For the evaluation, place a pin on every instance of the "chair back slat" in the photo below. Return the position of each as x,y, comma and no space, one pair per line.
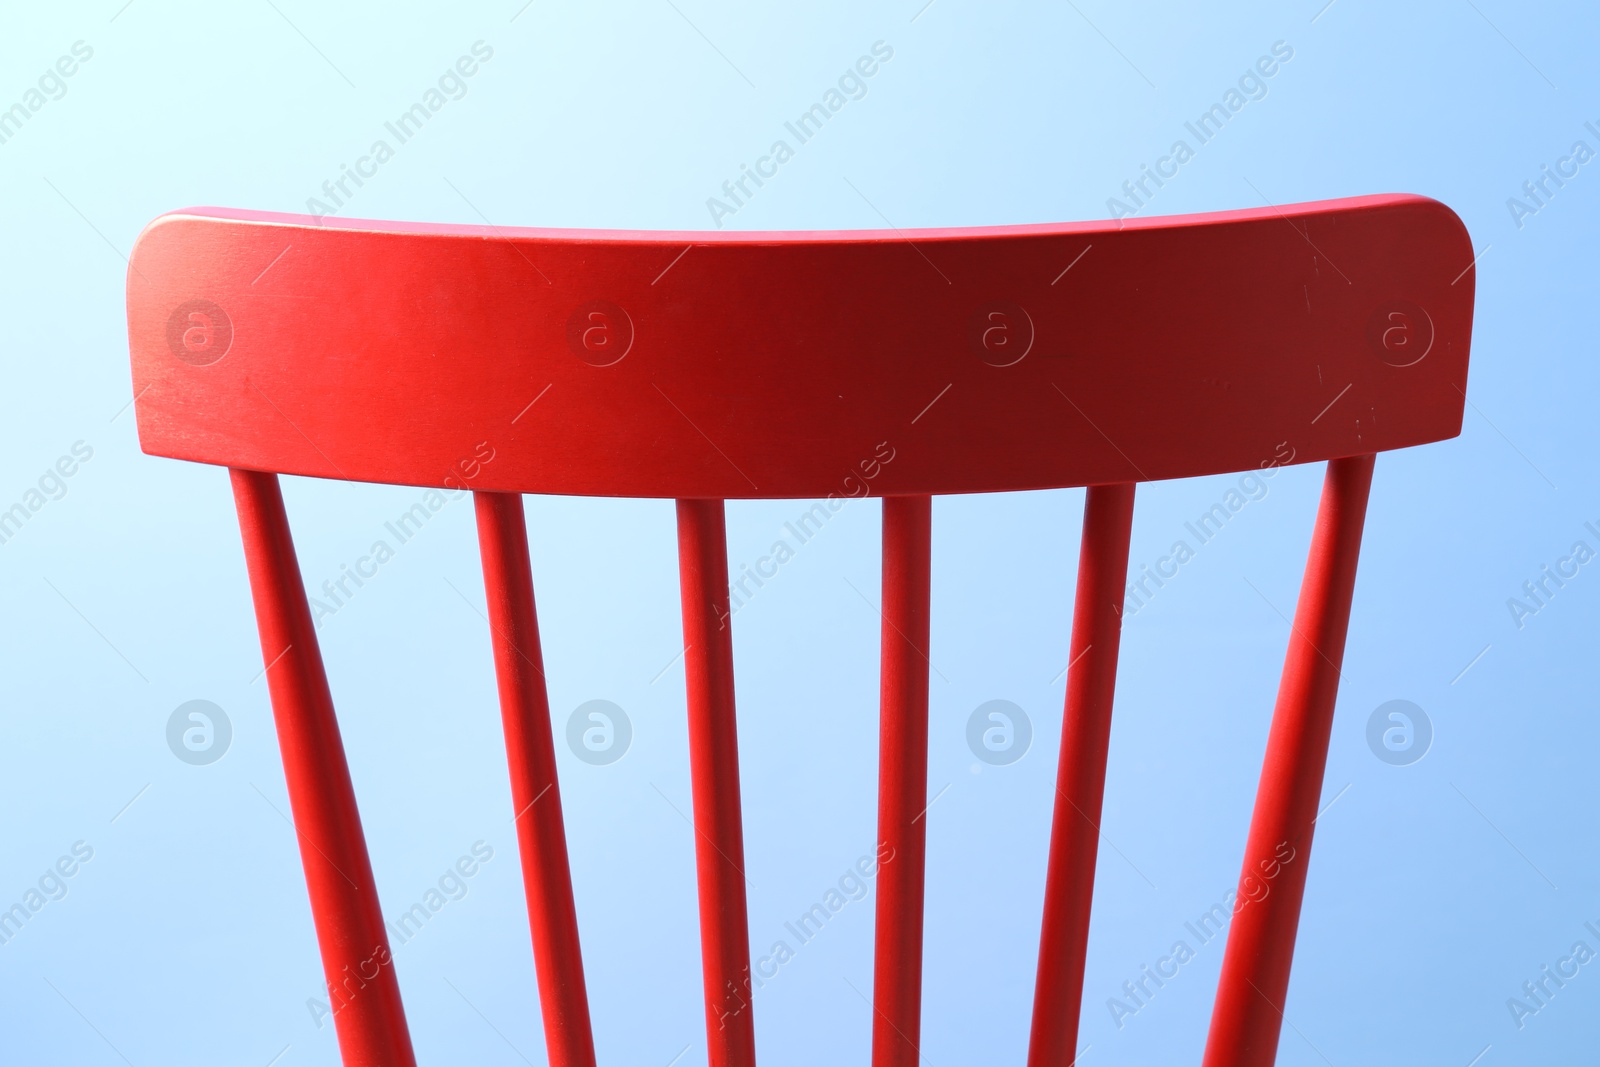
1081,775
714,778
902,781
363,991
1248,1014
535,792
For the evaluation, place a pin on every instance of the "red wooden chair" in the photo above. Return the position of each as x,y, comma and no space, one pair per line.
704,366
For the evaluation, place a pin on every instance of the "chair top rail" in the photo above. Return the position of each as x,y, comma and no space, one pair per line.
761,365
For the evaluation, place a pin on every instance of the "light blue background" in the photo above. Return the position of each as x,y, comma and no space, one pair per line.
1436,890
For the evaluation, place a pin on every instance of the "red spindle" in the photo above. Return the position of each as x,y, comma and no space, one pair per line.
535,794
714,767
364,993
902,781
1081,776
1248,1015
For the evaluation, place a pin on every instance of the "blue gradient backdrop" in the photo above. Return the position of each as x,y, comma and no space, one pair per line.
1437,889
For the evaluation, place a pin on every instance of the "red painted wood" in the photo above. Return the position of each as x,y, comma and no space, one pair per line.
714,769
535,793
902,781
363,990
770,364
704,366
1081,775
1248,1014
